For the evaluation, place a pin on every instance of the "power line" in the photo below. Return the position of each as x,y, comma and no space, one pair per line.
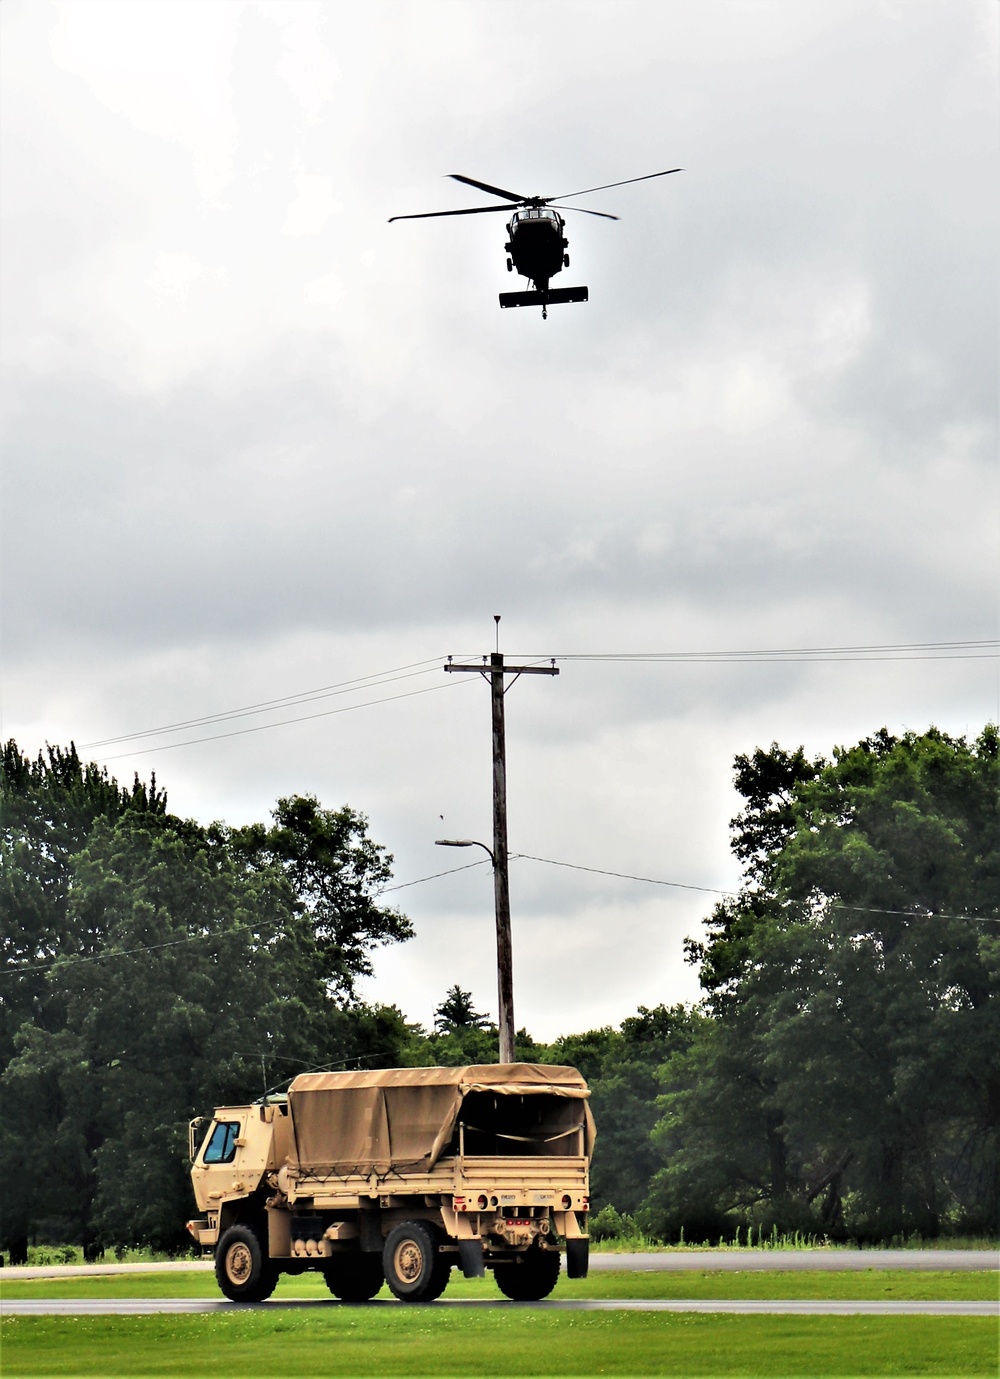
625,876
765,660
271,705
142,948
433,877
200,938
910,914
714,890
259,929
284,722
972,649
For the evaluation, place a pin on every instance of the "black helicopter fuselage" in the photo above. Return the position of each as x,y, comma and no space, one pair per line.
536,244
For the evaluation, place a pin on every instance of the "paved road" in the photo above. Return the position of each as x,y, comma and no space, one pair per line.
664,1261
774,1260
130,1307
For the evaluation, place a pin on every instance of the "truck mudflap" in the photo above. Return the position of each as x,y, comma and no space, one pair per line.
470,1256
577,1258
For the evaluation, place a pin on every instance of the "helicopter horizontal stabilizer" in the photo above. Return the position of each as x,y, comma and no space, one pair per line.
553,297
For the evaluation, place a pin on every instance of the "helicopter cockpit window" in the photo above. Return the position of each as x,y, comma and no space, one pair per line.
536,213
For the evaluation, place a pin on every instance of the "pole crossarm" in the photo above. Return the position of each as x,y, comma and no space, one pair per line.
508,670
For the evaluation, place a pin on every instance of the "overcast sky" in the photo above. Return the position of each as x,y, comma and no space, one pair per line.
259,442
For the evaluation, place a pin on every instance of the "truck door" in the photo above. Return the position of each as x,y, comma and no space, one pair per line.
215,1171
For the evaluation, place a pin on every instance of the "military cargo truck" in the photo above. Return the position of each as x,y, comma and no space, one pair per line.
396,1177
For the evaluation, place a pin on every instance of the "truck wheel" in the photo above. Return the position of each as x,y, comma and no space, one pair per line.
415,1270
355,1278
242,1268
532,1278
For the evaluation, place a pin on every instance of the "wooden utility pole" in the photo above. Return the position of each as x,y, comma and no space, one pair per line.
495,672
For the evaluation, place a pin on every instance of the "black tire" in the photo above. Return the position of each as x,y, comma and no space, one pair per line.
354,1278
532,1277
242,1268
415,1269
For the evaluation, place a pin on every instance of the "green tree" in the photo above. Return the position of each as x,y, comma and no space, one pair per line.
178,967
849,1078
48,807
457,1012
622,1067
335,872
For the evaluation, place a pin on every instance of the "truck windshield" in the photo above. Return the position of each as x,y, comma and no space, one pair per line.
221,1146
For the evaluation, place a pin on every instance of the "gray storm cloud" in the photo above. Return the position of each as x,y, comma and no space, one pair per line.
258,440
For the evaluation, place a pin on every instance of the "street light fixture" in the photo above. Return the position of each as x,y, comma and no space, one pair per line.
464,843
505,964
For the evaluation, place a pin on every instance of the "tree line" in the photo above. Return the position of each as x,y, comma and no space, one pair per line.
840,1076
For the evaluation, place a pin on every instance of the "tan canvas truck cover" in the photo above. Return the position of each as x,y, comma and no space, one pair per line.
363,1122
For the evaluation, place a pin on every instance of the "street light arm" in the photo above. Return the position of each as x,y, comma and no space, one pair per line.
465,843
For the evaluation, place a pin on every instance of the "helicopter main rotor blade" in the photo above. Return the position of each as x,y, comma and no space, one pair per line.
582,210
564,196
469,210
485,187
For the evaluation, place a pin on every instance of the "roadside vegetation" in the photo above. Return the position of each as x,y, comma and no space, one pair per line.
839,1082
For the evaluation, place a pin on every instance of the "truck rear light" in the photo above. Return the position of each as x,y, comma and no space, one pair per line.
459,1203
482,1201
192,1228
585,1203
567,1201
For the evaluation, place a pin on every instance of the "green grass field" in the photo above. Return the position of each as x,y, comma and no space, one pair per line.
442,1341
395,1340
870,1284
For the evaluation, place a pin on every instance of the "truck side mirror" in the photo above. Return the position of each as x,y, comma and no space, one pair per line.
193,1128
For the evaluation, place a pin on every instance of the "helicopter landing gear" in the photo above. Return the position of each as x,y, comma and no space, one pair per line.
549,297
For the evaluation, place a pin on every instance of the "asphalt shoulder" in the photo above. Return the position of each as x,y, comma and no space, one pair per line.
654,1261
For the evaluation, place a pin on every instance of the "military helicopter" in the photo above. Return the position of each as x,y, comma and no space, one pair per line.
536,245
